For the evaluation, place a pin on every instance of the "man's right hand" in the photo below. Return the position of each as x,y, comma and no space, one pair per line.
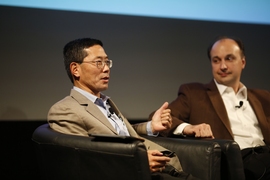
156,160
200,131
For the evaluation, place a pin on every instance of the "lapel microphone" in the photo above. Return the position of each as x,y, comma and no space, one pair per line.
111,110
240,104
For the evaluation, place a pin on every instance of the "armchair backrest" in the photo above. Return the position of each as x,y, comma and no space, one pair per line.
62,156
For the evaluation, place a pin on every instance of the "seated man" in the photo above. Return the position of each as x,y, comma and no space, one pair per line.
226,109
87,111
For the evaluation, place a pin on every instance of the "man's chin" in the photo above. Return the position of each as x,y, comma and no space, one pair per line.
222,81
104,88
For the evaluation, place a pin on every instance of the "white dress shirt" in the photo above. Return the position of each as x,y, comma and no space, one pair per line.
244,123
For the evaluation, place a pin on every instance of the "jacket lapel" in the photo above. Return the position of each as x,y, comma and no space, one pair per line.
92,109
258,110
218,105
131,130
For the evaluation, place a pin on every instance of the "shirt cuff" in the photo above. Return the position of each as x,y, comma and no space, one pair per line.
179,129
149,129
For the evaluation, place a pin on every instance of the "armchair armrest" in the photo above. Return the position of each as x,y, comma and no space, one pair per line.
231,160
200,158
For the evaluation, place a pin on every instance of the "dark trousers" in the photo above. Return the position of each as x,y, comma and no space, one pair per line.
170,173
165,176
256,163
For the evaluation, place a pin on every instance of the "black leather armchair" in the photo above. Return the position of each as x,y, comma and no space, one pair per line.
62,156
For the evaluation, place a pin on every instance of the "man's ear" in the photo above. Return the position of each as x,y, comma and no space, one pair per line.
75,69
244,62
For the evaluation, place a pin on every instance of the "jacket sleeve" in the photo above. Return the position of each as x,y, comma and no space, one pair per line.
140,128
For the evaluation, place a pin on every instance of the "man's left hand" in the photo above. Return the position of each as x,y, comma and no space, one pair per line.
162,119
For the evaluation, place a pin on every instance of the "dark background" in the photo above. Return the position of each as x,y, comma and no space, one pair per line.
152,57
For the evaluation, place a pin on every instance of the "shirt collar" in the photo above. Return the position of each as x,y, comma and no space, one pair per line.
90,96
241,92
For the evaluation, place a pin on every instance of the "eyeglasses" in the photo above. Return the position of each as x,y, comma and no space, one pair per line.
100,64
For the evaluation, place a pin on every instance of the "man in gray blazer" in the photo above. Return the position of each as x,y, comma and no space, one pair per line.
87,111
226,109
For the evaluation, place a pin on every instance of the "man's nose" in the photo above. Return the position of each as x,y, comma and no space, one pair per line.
223,65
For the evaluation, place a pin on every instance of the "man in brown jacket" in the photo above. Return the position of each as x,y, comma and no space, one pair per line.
226,109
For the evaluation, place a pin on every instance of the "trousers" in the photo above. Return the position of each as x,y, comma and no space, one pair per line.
256,163
170,173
